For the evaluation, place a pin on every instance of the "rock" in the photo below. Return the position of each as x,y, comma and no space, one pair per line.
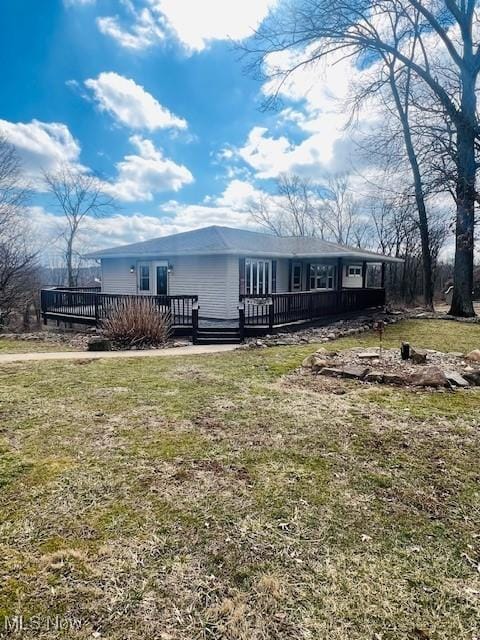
315,362
357,373
368,355
97,343
352,373
418,356
455,354
331,372
472,377
473,356
375,376
394,378
428,377
456,379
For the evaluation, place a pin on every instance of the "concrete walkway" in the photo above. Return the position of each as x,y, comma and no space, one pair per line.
191,350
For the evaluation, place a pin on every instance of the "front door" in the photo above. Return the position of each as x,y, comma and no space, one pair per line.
162,280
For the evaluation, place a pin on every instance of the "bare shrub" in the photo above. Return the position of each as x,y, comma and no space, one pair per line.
137,322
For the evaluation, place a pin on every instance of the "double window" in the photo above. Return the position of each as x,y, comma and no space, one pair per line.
354,271
322,276
144,277
258,277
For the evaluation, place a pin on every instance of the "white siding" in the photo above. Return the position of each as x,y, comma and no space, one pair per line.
116,276
213,278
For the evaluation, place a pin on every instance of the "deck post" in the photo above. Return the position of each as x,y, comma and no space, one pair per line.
271,315
339,284
382,279
364,275
241,321
195,308
96,308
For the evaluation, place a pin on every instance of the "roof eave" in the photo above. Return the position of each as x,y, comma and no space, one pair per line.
267,254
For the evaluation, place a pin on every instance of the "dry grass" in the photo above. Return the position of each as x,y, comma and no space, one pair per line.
219,498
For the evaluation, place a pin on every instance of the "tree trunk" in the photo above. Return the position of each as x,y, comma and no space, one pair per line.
69,260
462,304
428,286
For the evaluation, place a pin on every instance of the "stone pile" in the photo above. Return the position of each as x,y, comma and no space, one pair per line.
426,368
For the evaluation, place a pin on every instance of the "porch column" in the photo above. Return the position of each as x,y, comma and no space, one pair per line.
382,279
364,275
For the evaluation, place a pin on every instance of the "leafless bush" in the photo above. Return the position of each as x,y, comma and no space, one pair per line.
137,322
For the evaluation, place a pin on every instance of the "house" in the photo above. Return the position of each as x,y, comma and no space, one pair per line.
221,284
225,266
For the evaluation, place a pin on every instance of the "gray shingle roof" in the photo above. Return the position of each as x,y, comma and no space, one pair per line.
226,240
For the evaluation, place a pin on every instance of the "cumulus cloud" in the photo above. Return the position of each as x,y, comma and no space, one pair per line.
130,104
230,208
194,24
142,175
143,30
42,146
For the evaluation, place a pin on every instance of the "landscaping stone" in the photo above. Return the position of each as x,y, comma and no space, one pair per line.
418,356
428,377
368,355
456,379
332,372
352,373
315,362
473,356
472,377
375,376
394,378
357,373
97,343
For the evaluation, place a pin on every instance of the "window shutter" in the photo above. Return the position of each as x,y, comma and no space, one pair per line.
274,276
241,271
307,284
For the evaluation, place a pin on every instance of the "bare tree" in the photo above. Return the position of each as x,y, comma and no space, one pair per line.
17,257
366,29
79,196
338,211
290,212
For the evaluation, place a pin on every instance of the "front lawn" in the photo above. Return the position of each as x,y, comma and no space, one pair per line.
214,497
7,345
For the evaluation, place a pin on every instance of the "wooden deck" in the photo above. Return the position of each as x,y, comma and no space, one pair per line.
257,314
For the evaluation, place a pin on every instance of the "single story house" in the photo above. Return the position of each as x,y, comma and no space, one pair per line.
222,266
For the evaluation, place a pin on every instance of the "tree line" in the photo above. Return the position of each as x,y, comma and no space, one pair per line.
424,58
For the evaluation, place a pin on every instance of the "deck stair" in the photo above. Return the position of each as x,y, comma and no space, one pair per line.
218,335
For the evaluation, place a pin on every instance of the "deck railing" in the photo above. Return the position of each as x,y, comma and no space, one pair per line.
90,307
285,308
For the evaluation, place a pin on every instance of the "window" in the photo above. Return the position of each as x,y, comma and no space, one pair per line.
354,271
322,276
258,277
144,277
297,276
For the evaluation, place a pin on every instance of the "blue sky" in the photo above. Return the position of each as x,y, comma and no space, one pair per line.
151,95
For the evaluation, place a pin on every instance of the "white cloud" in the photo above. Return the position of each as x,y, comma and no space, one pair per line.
146,30
142,175
42,146
194,24
130,104
75,3
230,208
